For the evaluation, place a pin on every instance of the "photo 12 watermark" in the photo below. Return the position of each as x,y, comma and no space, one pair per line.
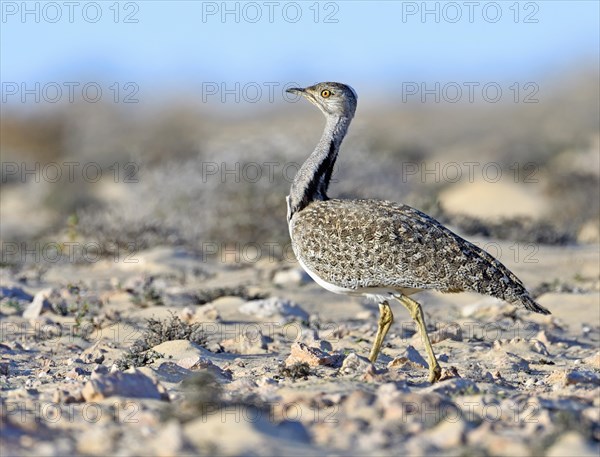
249,172
70,331
248,92
277,252
247,253
469,171
60,252
36,412
68,172
271,12
469,92
54,92
470,12
469,411
28,12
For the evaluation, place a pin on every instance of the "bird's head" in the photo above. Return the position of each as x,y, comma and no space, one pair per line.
333,99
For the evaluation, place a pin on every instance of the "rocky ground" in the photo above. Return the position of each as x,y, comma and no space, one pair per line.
165,353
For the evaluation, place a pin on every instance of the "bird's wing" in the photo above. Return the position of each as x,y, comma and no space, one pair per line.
371,243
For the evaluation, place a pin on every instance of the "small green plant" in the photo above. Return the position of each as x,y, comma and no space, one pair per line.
157,332
299,370
14,304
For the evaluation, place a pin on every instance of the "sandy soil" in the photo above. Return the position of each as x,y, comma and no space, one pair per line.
254,358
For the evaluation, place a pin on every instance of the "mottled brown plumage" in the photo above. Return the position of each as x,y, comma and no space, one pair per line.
381,249
360,244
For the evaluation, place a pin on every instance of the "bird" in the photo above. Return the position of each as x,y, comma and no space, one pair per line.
379,249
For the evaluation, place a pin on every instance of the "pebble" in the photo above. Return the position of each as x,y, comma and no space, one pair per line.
562,378
357,408
593,361
408,358
354,363
131,383
275,307
313,356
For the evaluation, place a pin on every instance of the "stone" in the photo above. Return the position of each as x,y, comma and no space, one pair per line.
181,349
193,363
408,358
506,361
76,373
93,354
275,307
593,361
302,353
449,373
453,386
131,383
354,363
563,378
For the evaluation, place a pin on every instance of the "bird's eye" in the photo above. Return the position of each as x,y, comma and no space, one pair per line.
325,93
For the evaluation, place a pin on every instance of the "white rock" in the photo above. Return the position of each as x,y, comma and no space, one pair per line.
354,363
181,349
131,383
34,309
274,307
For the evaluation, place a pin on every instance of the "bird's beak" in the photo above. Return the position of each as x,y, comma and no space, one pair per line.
302,92
296,90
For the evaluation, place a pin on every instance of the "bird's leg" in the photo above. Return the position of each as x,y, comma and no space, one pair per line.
417,314
385,321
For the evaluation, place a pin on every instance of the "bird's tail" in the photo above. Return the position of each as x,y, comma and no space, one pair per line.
530,304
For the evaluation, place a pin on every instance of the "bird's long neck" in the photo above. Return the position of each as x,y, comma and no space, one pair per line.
312,180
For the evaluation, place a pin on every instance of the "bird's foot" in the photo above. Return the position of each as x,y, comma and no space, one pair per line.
435,373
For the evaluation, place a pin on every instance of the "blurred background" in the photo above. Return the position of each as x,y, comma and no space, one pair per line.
167,123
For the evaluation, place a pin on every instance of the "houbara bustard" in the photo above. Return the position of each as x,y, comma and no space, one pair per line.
380,249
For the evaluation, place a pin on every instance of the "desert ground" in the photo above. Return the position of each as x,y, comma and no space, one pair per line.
160,310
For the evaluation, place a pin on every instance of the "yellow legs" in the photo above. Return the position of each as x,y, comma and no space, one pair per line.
385,321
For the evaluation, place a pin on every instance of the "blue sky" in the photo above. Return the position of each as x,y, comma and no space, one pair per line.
176,46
